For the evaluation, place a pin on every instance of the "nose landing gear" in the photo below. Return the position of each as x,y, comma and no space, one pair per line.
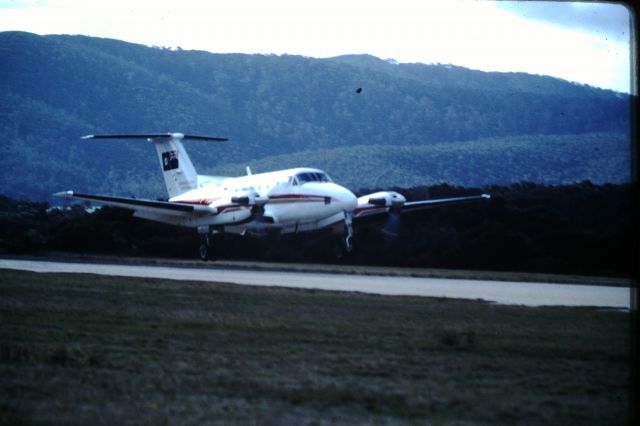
345,243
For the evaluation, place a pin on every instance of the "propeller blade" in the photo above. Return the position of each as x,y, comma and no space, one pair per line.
391,227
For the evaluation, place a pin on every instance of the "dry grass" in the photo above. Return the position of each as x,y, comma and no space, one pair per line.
83,349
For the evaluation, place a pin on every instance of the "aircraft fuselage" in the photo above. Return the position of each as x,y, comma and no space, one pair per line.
290,200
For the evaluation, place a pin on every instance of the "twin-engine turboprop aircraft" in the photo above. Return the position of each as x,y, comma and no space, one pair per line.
281,202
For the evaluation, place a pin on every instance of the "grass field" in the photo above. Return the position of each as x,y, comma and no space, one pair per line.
84,349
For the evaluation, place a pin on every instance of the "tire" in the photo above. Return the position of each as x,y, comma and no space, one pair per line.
203,252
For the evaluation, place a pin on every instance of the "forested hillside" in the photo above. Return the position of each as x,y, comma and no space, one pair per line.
548,159
411,124
574,229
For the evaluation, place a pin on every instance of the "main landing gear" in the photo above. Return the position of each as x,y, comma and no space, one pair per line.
207,250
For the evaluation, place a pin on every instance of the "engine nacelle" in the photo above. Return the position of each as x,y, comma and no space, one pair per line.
249,198
383,199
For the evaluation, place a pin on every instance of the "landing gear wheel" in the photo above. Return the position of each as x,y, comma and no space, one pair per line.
338,250
207,250
203,252
343,247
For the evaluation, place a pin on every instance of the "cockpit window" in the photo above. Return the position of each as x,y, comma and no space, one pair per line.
312,177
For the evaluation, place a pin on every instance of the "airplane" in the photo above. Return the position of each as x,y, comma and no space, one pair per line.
258,205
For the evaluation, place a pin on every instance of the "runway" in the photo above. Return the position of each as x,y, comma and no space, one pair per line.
510,293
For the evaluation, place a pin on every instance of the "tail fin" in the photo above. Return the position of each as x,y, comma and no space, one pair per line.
177,169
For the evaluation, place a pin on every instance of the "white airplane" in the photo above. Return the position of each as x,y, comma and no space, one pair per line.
280,202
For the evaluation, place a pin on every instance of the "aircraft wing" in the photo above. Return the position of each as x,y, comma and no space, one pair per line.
142,205
429,204
389,206
386,203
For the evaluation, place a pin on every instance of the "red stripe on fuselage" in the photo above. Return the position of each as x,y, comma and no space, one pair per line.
202,202
221,209
275,199
230,208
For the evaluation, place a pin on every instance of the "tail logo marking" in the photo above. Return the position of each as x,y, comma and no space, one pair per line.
169,160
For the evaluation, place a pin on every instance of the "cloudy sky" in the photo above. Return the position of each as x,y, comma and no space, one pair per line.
577,41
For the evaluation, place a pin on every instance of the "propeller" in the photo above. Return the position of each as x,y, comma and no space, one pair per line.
394,202
391,227
258,227
250,197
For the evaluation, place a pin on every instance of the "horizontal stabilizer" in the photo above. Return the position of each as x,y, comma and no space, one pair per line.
158,136
179,174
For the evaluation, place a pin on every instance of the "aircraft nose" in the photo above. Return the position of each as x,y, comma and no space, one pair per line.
347,199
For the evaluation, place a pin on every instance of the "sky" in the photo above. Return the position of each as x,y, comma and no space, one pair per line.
584,42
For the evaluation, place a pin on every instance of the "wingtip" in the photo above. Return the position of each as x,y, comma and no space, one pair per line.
64,194
486,196
87,137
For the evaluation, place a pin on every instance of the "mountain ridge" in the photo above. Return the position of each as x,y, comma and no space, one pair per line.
55,89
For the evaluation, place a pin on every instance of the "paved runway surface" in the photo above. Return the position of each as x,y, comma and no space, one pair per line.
512,293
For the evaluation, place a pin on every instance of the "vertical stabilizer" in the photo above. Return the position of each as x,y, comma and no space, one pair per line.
177,169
